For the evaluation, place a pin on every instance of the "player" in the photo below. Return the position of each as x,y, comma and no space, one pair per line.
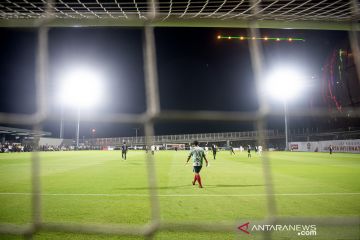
249,151
231,150
152,149
124,149
330,149
197,154
214,150
260,150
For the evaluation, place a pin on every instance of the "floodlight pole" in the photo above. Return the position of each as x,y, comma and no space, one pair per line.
286,126
62,122
78,128
136,130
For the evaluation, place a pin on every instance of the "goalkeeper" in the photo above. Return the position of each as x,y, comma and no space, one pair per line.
197,154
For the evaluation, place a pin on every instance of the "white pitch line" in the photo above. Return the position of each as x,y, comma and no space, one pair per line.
182,195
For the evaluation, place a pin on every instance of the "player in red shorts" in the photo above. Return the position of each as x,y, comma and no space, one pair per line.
197,154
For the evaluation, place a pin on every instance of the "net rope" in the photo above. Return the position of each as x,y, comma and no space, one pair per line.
221,10
329,10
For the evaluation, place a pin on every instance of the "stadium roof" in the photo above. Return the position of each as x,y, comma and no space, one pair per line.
310,14
22,132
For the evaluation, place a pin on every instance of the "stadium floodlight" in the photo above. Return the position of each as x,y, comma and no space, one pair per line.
80,88
285,83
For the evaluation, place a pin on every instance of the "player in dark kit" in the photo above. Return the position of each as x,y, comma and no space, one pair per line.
249,151
197,154
331,149
124,151
214,151
231,150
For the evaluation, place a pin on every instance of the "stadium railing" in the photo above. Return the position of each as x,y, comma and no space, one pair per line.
235,138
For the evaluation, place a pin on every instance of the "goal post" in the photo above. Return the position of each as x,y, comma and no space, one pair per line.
174,146
173,22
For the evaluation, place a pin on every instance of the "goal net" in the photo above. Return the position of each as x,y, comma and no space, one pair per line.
250,14
175,146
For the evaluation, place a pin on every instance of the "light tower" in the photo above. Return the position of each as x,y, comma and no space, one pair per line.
285,84
81,88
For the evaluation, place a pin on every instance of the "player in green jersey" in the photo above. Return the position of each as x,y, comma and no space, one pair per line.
197,154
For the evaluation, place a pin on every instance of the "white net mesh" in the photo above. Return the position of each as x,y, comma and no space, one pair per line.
221,12
292,10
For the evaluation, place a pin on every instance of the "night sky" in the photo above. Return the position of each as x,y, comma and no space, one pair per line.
196,72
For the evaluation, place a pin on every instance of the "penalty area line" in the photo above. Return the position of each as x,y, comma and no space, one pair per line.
182,195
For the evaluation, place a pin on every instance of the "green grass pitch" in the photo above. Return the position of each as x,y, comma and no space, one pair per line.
98,187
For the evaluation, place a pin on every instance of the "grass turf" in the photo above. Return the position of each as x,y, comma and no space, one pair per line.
234,191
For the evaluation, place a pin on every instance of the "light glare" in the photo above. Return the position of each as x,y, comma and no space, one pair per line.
285,84
81,88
